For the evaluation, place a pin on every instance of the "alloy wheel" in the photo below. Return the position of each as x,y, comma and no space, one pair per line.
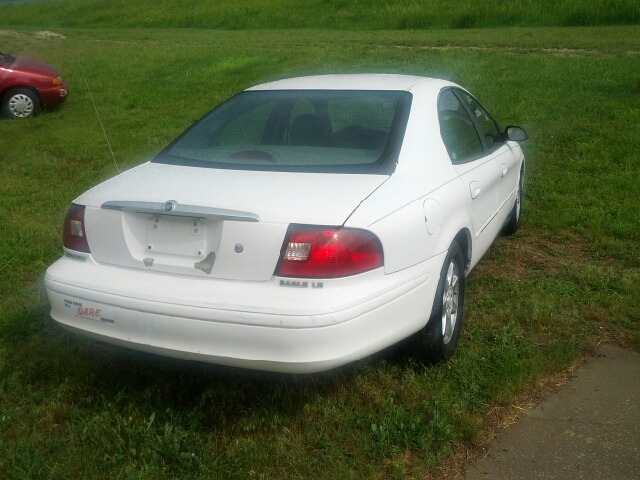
450,299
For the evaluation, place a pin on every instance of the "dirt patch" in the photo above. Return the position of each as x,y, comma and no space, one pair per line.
519,257
48,34
556,52
41,34
10,33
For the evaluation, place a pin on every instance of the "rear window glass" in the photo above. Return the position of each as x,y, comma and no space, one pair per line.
298,130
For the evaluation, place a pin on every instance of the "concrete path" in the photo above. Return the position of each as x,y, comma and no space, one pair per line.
589,429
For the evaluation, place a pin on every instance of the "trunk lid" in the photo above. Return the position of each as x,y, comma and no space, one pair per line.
212,223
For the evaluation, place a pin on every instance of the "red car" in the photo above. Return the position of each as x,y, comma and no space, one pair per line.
26,85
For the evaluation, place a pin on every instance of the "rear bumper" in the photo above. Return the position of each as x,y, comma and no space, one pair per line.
259,325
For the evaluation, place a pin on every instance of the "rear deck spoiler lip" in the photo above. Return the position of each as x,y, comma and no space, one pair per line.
173,208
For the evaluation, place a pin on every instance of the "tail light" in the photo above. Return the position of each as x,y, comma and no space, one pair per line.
328,252
74,236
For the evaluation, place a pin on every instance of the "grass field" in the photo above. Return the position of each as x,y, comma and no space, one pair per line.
70,408
325,14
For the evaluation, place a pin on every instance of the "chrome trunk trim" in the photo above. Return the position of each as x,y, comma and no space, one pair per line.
173,208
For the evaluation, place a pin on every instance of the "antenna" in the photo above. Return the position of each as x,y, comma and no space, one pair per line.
95,109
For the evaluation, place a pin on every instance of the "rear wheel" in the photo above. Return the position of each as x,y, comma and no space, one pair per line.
439,338
20,103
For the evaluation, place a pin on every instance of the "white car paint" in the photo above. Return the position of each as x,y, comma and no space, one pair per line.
277,341
242,313
278,198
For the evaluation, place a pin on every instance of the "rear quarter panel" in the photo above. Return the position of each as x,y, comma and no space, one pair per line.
396,211
416,232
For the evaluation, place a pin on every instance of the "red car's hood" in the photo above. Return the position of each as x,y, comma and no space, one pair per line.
31,65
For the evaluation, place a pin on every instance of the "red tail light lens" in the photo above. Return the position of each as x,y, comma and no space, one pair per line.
74,236
328,252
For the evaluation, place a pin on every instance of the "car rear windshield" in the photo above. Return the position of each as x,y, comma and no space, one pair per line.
298,130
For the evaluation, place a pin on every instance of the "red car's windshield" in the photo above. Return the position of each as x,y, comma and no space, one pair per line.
6,59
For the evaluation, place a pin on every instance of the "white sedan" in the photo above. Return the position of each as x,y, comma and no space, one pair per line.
300,225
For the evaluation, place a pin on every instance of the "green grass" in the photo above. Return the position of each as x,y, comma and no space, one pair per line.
70,408
331,14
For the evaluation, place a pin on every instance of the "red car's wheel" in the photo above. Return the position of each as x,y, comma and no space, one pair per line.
20,103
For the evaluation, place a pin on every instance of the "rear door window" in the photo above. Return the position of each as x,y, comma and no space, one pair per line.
458,131
488,126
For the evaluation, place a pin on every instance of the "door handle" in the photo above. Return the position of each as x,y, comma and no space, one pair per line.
475,189
504,169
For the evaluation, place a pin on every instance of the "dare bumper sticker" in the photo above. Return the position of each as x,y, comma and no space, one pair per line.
90,311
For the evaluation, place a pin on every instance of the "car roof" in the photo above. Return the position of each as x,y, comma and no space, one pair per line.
367,81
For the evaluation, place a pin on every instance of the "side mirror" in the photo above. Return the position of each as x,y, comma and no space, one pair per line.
516,134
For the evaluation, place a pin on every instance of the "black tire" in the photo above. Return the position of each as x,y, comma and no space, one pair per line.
512,224
20,103
437,341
